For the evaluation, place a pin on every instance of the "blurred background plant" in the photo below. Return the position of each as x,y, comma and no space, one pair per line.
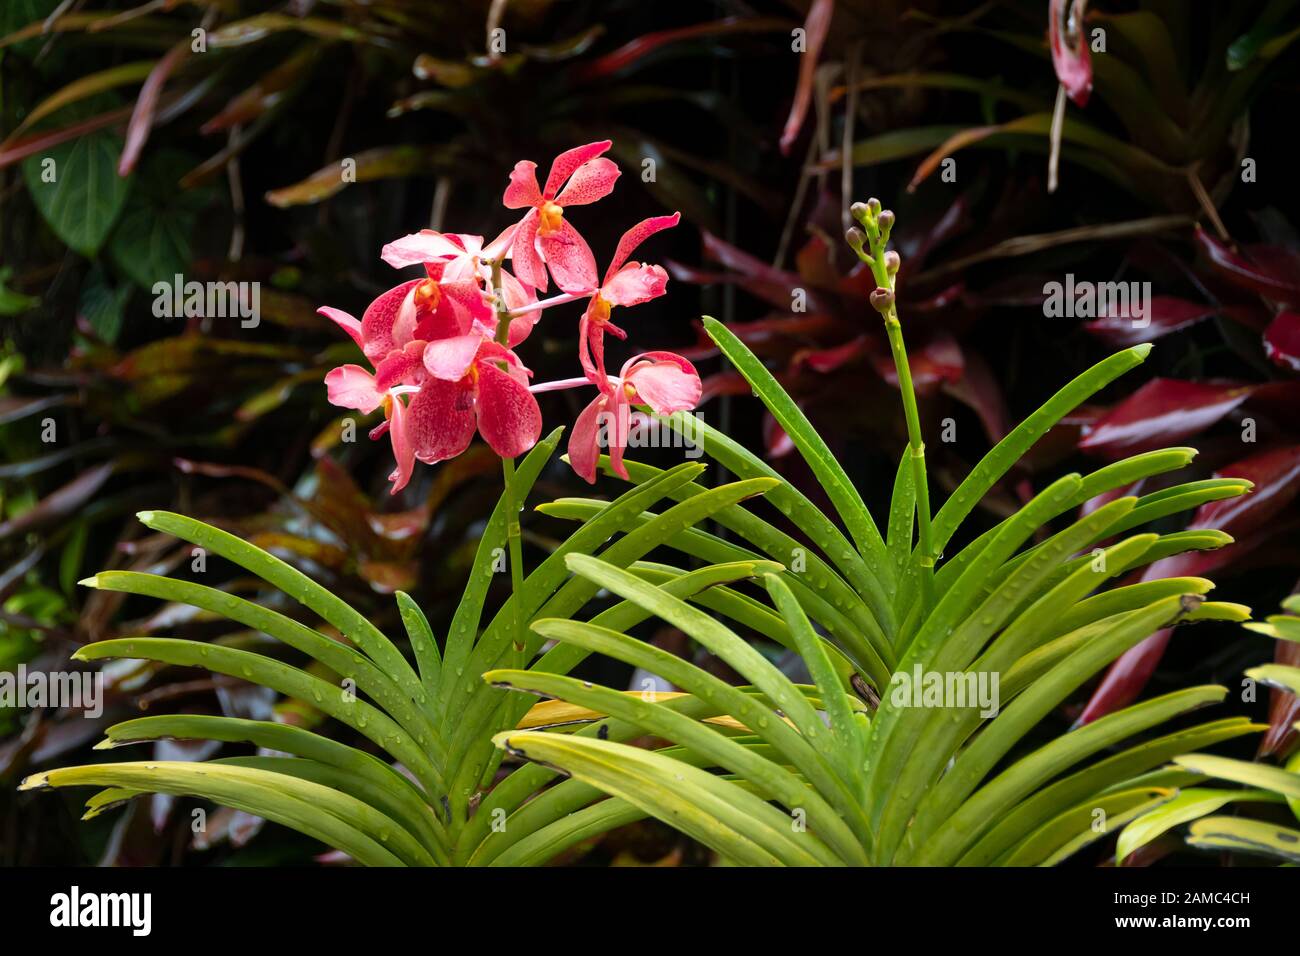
282,143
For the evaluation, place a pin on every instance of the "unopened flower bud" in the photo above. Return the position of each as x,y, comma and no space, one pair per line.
873,205
886,221
882,300
859,211
855,237
892,262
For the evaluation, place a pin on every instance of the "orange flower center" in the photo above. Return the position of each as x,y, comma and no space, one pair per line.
552,219
629,390
600,307
427,295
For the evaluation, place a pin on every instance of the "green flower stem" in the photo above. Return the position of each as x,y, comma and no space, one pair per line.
926,557
514,536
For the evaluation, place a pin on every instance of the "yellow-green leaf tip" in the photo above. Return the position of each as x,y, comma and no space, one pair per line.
145,516
90,582
1143,350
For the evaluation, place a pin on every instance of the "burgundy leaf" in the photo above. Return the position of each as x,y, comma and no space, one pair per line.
1271,271
1282,340
815,29
1165,314
1162,412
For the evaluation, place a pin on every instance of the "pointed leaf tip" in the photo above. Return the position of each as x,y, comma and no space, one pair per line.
1142,351
145,516
90,582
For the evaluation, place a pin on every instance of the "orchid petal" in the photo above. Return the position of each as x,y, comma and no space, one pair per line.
522,190
592,180
401,366
421,247
379,332
569,259
351,386
567,163
347,323
638,234
450,359
663,380
523,251
583,449
634,284
441,421
403,450
508,417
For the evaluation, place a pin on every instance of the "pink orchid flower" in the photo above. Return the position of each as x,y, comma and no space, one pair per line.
624,284
472,384
459,258
664,381
544,227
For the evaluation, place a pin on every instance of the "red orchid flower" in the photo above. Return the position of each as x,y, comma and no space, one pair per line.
629,284
664,381
472,383
458,258
544,227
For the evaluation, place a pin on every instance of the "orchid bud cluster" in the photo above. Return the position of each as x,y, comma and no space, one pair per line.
869,240
442,347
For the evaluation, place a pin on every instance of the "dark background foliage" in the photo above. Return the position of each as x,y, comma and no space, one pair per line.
231,172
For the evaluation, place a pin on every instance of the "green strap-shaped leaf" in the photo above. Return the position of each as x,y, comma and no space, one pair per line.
286,738
343,660
1191,804
296,585
1068,833
1112,477
771,780
839,611
423,643
1277,675
402,838
755,712
944,729
1122,768
717,813
1258,775
1023,437
842,492
333,818
850,747
1246,836
485,713
465,622
369,721
1004,731
977,814
884,756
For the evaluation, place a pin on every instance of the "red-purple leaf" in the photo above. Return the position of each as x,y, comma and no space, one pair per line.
1271,271
1282,340
1165,314
815,29
1164,411
146,106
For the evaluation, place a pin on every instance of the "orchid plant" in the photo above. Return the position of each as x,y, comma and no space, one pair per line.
839,771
